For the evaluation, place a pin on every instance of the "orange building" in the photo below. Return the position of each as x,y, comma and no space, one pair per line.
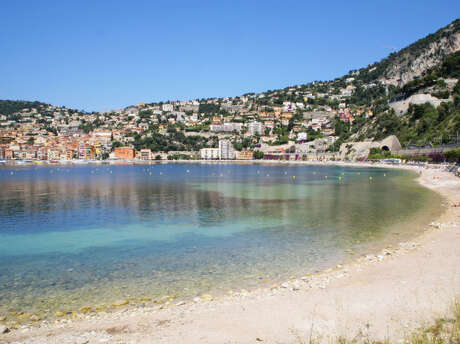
127,153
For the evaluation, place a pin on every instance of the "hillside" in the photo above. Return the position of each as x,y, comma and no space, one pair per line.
413,93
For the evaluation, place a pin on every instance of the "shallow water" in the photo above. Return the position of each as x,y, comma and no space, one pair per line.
91,235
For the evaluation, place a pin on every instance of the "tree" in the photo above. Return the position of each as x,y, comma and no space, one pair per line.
258,155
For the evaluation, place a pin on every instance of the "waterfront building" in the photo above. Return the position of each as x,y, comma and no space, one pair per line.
145,154
226,151
210,153
126,153
244,155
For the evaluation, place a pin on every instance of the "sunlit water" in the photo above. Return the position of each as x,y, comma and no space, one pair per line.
92,235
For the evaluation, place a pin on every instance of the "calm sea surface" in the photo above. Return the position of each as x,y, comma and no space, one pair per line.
92,235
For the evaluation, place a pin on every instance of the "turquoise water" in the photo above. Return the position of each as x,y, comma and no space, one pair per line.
92,235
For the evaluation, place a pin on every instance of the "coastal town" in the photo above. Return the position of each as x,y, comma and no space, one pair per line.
270,125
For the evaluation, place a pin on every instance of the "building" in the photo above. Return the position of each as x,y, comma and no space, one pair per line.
145,154
302,136
126,153
210,153
256,128
244,155
226,150
167,107
226,127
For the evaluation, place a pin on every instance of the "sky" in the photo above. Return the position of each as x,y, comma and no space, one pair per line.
105,55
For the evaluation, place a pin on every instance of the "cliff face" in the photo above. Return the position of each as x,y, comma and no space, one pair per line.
409,65
412,61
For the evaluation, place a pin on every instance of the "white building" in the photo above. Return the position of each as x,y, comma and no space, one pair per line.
167,107
226,150
226,127
302,137
256,128
210,153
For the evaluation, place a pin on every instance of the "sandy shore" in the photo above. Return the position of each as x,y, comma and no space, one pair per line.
383,295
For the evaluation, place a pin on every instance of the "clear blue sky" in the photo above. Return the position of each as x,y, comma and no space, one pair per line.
100,55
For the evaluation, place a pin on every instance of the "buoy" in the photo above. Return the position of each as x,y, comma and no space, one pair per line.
11,172
325,177
370,178
150,173
340,178
161,172
293,177
268,175
384,174
343,173
359,173
314,172
188,171
285,172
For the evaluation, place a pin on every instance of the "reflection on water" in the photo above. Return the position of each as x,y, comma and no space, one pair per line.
91,235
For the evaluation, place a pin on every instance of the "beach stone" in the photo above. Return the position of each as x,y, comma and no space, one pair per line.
4,329
296,286
2,318
121,303
207,297
85,309
35,318
181,303
59,314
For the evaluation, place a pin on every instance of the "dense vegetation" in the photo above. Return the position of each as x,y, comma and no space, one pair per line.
174,141
8,107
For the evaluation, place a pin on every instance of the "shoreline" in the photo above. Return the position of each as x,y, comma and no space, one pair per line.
105,325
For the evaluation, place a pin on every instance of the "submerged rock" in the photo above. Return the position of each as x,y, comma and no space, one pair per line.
207,297
35,318
85,309
121,303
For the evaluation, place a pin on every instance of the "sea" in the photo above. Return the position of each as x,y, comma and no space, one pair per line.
97,235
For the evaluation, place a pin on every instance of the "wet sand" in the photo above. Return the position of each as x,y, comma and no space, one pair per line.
383,295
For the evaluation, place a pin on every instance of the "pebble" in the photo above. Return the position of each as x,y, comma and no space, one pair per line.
35,318
207,297
4,329
296,286
121,303
85,309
